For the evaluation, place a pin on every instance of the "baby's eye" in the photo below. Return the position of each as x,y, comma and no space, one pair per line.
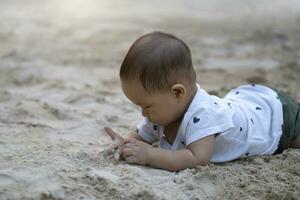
147,107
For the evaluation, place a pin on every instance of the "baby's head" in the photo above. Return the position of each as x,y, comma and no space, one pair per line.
158,75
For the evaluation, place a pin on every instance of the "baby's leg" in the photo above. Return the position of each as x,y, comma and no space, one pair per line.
296,142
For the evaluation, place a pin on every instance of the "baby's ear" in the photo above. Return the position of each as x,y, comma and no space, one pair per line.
178,90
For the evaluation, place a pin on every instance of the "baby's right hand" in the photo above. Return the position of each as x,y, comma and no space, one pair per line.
118,142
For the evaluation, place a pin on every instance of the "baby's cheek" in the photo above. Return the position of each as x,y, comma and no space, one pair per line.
164,120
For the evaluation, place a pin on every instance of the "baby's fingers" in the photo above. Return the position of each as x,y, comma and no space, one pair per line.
130,159
108,154
113,147
130,140
127,152
111,133
117,154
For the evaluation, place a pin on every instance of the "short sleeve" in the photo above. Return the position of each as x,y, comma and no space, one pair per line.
147,130
207,121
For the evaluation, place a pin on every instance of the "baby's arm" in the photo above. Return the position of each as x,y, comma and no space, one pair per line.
197,153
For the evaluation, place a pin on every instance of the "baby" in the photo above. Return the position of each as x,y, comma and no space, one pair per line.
192,127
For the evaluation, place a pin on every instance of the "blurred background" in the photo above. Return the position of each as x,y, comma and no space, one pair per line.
97,33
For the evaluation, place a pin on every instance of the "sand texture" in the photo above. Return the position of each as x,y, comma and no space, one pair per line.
59,87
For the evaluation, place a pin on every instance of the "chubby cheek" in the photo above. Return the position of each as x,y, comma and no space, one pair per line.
162,117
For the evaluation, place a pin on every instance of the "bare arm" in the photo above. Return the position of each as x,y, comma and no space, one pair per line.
197,153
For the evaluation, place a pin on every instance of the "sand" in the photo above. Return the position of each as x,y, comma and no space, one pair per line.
59,87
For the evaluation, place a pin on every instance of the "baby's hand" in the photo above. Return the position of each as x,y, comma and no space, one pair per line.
118,143
136,151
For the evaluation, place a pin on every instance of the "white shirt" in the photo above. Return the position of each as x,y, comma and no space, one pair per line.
248,119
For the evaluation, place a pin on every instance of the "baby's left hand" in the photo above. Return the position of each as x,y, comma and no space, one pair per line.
136,151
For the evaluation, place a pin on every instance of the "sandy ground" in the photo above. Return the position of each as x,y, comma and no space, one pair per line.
59,86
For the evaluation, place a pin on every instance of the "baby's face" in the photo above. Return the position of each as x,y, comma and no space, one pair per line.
162,108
